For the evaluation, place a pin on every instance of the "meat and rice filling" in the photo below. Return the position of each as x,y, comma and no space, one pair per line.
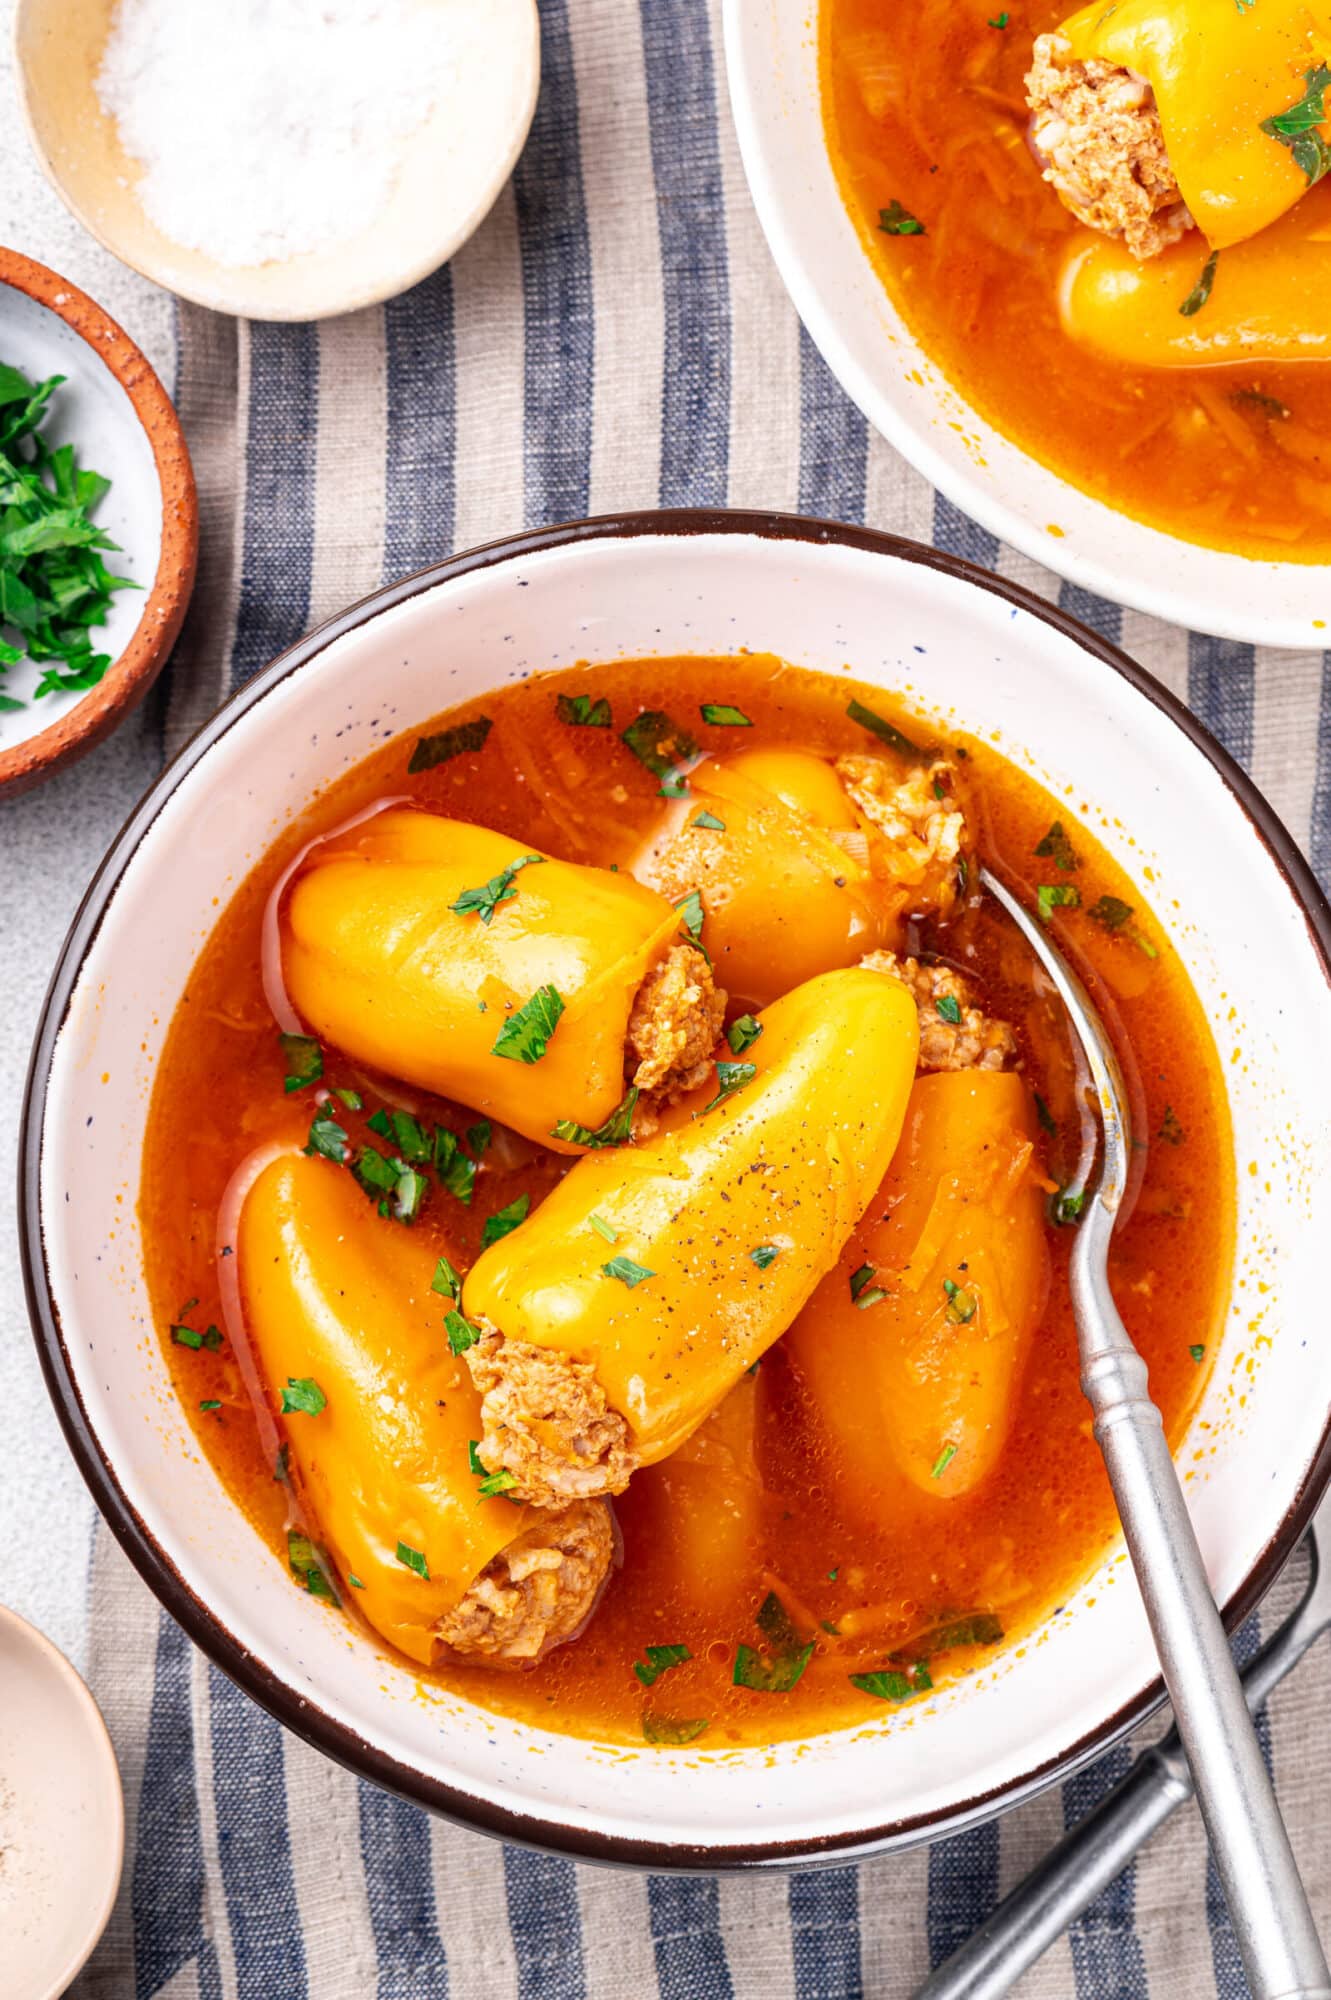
537,1593
545,1420
673,1029
954,1034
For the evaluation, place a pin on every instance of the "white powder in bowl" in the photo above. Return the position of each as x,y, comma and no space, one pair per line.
267,129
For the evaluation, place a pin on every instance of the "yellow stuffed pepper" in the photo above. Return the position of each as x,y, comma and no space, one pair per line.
533,990
702,1509
379,1416
620,1314
912,1350
804,864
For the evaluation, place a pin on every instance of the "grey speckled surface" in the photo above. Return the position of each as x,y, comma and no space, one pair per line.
50,843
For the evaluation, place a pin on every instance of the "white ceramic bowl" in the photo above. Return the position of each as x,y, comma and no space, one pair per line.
772,62
1240,907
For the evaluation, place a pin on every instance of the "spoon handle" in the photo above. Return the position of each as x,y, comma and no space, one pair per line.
1273,1924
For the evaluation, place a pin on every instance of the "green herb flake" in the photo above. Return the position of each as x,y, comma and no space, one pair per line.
786,1658
942,1462
479,1135
730,1077
1198,1353
859,1279
504,1220
1045,1115
1068,1205
602,1228
1201,291
378,1122
525,1035
999,21
1171,1132
742,1034
354,1581
500,888
474,1459
709,822
627,1271
765,1254
376,1175
308,1565
672,1729
582,711
1258,404
449,743
877,725
303,1397
495,1484
973,1628
446,1280
461,1333
691,913
949,1007
1056,847
658,1660
890,1685
659,744
187,1336
1110,912
1296,128
210,1403
456,1173
722,716
304,1061
961,1303
614,1132
350,1099
281,1465
413,1560
1051,896
409,1194
894,220
676,786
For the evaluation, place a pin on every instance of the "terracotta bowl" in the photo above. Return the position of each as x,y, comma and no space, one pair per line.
116,413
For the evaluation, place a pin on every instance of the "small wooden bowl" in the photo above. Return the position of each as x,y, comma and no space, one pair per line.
454,166
119,418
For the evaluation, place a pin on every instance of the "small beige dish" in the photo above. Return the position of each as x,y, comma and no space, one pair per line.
62,1817
453,164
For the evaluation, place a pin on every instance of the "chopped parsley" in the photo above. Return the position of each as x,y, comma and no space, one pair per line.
474,1459
1056,847
613,1132
889,1684
1051,896
354,1581
723,716
765,1254
1045,1115
504,1220
659,1660
627,1271
449,743
496,1483
603,1229
779,1667
328,1139
378,1122
411,1140
673,1729
659,744
1068,1206
408,1194
1296,128
742,1034
877,725
1110,911
303,1396
457,1174
446,1281
942,1462
1201,291
210,1403
709,821
1171,1132
1198,1353
1260,405
691,913
307,1564
730,1077
351,1099
894,220
999,21
525,1036
859,1279
281,1474
582,711
188,1336
961,1303
483,902
304,1061
376,1175
975,1628
412,1559
478,1135
461,1333
950,1008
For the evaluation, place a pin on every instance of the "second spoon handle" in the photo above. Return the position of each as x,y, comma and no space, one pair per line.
1273,1924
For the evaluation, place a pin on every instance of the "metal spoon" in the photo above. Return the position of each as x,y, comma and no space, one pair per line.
1080,1866
1272,1921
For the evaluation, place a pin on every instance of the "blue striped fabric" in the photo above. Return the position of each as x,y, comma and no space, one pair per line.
218,1901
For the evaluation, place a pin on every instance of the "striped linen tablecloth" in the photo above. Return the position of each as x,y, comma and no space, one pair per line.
614,337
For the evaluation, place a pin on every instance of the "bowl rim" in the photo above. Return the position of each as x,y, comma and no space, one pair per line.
300,1713
137,666
1145,582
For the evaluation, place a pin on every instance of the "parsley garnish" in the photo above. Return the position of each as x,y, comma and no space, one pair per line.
350,1098
1171,1131
461,1333
1111,911
886,732
999,21
786,1658
730,1077
765,1254
210,1403
582,711
478,1136
1051,896
483,902
1295,128
412,1559
742,1034
54,586
525,1036
303,1396
354,1581
603,1229
627,1271
723,716
446,1281
307,1563
710,821
672,1729
474,1459
950,1008
976,1628
1068,1207
304,1061
504,1220
1045,1116
449,743
894,220
1056,847
1197,1353
281,1475
614,1132
859,1279
328,1139
889,1684
496,1483
187,1336
456,1172
961,1304
691,913
659,1660
659,744
1201,291
942,1462
411,1140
